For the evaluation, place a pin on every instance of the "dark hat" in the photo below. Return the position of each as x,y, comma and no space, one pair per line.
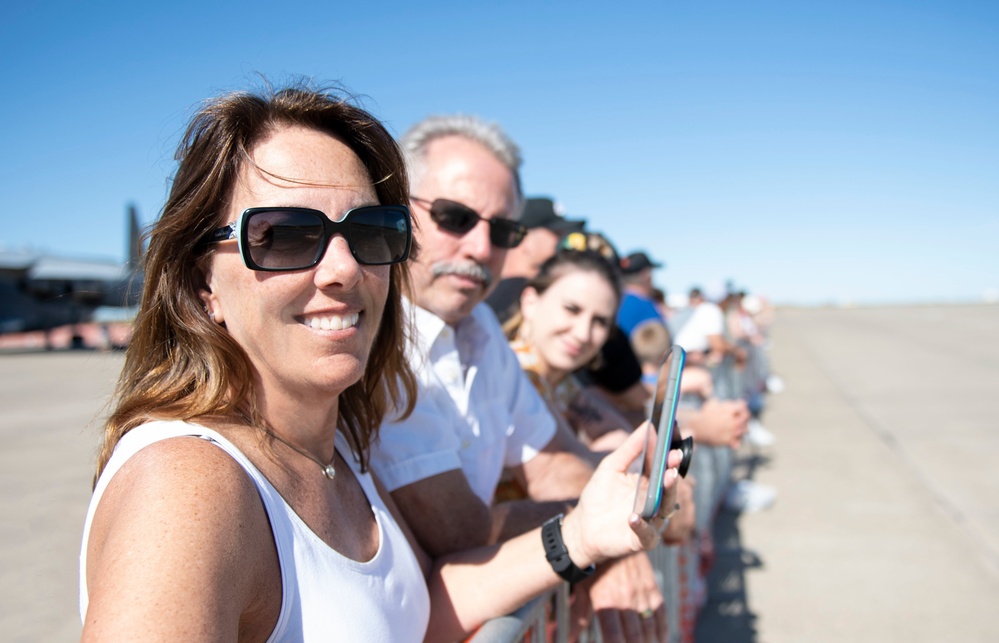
636,262
543,213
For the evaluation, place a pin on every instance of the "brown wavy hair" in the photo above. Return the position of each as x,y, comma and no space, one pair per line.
179,364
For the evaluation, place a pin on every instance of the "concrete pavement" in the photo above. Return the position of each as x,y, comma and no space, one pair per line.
50,406
887,465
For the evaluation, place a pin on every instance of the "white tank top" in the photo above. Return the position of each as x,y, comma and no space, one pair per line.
325,596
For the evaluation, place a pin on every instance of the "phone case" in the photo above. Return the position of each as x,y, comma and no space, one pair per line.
662,419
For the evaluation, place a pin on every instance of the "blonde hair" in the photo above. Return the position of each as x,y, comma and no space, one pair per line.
650,339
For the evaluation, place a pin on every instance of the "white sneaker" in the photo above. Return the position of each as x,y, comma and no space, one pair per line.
758,435
747,496
775,384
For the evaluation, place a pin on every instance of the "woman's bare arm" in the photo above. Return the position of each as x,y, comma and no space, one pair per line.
181,549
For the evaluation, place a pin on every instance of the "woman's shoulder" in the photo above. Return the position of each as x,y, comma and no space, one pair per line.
181,516
183,476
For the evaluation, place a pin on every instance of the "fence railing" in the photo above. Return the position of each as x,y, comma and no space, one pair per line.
677,568
544,617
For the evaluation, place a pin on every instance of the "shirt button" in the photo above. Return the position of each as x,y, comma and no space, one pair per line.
465,444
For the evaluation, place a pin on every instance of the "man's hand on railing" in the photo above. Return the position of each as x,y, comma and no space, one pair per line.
627,602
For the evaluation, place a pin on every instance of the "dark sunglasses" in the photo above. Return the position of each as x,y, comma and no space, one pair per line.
277,239
459,218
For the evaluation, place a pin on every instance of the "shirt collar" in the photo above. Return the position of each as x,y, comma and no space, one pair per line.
469,332
428,325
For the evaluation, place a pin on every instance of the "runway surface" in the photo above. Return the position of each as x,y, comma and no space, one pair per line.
887,465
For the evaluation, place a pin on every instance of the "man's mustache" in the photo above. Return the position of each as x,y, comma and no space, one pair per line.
468,269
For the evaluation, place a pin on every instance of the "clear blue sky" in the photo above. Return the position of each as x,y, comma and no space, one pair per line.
811,151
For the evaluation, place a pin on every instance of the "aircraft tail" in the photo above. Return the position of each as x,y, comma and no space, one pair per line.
134,239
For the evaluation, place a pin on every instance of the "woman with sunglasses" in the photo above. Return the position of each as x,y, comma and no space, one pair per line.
233,500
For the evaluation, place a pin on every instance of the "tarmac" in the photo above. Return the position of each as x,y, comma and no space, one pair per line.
886,527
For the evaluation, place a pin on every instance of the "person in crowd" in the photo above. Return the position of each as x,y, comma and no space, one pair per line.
650,341
700,329
658,297
476,413
615,378
746,334
638,305
545,226
233,499
565,315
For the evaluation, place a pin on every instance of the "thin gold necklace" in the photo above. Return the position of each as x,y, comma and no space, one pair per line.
328,470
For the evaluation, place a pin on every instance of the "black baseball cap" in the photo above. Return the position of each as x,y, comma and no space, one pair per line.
541,212
636,262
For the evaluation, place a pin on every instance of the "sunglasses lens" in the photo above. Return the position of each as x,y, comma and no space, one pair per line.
459,219
379,234
296,238
505,233
284,239
453,217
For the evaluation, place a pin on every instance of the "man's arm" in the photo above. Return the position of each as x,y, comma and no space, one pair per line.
444,513
552,479
515,517
417,459
560,470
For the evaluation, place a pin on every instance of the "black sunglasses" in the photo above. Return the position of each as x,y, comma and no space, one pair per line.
459,218
277,239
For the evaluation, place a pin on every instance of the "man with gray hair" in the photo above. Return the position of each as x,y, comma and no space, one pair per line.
476,412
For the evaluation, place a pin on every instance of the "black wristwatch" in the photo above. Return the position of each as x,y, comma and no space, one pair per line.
558,556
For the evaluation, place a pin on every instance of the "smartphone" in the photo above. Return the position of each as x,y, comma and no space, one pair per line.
649,495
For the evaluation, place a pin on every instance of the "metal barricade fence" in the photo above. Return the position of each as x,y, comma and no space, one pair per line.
546,618
531,622
678,569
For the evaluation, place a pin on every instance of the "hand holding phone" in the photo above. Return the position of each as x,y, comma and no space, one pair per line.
649,496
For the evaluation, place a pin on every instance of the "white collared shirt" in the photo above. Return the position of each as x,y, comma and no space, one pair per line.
706,319
475,408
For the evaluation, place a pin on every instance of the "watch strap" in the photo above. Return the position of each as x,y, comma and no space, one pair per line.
558,555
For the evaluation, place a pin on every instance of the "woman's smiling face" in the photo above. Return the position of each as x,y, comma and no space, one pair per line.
570,321
303,330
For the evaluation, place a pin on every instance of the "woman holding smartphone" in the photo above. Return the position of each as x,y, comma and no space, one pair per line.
565,316
233,501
